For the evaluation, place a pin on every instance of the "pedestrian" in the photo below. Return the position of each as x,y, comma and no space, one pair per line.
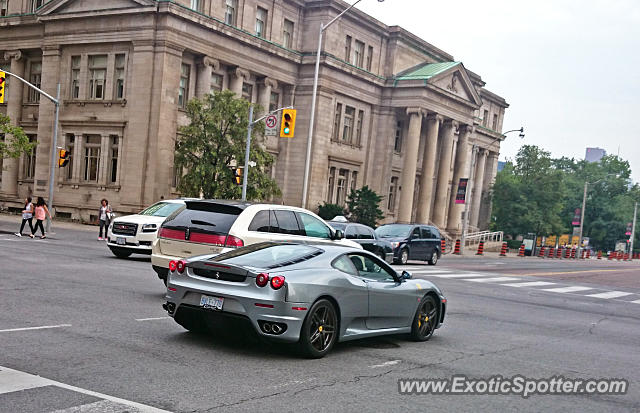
27,216
41,212
104,216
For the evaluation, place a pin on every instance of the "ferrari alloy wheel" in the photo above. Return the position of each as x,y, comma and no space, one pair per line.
425,320
319,330
404,256
434,258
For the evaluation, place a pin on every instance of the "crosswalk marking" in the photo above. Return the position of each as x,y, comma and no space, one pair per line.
567,289
530,284
454,275
495,279
636,302
610,294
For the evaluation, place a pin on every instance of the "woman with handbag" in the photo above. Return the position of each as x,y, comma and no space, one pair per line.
27,216
104,216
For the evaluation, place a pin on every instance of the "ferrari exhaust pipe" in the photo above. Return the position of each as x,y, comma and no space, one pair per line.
266,327
276,329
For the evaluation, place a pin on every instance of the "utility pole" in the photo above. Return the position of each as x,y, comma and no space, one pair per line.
633,228
584,204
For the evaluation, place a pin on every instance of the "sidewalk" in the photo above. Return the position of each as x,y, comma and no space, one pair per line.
10,224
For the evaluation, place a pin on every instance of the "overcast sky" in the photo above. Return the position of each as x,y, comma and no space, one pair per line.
569,69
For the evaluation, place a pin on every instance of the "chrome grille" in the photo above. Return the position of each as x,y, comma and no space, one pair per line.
124,228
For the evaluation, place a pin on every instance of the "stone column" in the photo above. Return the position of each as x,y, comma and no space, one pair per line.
10,166
444,173
237,77
408,179
78,158
264,93
478,188
490,170
428,168
203,79
461,170
105,149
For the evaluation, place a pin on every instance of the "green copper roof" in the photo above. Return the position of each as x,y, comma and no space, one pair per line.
427,71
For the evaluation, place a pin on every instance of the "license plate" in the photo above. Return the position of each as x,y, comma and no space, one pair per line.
121,241
214,303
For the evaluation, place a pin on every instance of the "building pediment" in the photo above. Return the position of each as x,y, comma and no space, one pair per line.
92,6
447,77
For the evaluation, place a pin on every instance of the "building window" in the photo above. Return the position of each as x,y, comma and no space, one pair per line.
75,77
216,82
3,7
113,158
347,124
29,166
230,12
197,5
359,124
91,158
397,145
71,143
485,119
119,77
36,4
393,190
261,22
274,101
97,76
495,122
287,34
36,79
347,49
183,90
358,54
332,181
247,91
341,190
336,122
369,58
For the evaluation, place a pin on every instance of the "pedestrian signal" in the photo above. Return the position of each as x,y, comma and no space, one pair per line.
237,176
63,158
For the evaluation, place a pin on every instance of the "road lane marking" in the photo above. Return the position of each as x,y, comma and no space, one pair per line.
530,284
386,364
568,289
8,330
575,272
152,318
8,376
458,275
491,280
636,302
610,294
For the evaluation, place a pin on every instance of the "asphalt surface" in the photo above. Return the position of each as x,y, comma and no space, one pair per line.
107,345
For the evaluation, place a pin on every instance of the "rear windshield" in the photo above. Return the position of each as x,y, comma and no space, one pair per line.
162,209
336,225
267,255
205,217
393,231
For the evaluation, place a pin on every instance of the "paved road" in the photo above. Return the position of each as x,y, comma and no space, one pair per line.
106,344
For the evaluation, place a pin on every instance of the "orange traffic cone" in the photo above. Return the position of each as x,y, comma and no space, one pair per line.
599,255
559,252
456,249
588,254
480,248
443,245
503,250
552,252
541,253
521,251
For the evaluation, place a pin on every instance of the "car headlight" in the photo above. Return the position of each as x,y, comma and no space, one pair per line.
149,228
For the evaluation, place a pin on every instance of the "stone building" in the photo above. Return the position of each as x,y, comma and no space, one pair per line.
393,111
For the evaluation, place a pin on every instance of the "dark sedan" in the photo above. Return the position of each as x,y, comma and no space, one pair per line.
366,237
412,242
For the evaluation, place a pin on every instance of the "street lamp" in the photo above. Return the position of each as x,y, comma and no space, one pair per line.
521,130
584,206
307,164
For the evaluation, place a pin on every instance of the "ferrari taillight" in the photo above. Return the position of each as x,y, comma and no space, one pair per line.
262,280
172,266
277,282
180,266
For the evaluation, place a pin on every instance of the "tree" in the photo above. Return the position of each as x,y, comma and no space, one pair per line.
17,144
213,142
329,211
364,207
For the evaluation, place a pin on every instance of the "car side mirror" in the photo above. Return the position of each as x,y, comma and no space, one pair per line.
406,275
338,235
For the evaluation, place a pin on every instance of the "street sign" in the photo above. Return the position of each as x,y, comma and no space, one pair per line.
270,122
462,191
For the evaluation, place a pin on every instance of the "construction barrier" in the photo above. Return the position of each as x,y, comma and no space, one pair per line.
480,248
503,250
599,255
611,255
567,254
559,252
456,250
541,253
552,252
588,254
626,257
582,254
443,245
618,255
521,251
573,253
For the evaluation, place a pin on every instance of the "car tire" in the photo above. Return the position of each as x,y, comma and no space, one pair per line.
404,256
120,253
319,331
425,320
434,258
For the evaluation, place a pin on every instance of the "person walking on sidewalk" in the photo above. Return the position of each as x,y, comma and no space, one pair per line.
27,216
104,216
41,212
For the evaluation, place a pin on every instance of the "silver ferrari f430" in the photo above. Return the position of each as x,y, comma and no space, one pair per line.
311,293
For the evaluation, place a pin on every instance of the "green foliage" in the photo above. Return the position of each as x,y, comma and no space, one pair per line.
17,144
214,140
364,206
329,211
538,194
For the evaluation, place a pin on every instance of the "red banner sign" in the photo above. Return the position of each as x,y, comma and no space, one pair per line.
576,217
462,191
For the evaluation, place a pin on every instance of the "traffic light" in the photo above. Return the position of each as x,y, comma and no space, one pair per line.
3,77
288,124
237,176
63,157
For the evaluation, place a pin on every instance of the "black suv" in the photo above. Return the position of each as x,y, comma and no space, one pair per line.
366,237
412,242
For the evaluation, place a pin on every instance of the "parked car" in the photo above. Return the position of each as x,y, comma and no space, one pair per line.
215,226
313,294
134,234
412,242
366,237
